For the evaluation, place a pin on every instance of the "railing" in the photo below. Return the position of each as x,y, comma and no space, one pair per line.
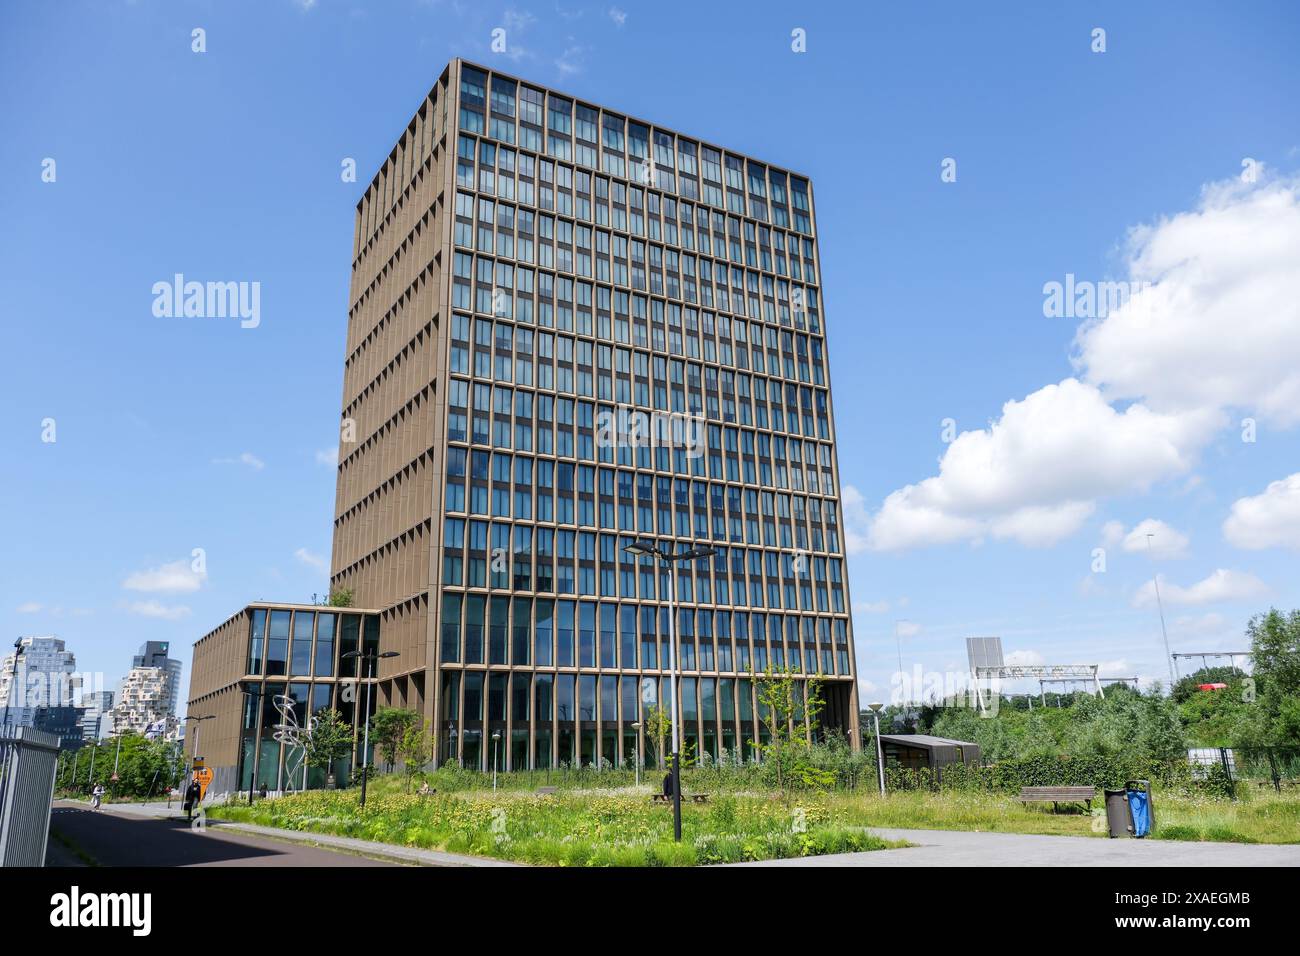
28,761
1278,766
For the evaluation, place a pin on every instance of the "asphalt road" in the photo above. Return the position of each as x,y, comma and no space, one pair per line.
119,839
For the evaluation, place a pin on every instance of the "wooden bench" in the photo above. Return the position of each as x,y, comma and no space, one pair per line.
1058,795
664,798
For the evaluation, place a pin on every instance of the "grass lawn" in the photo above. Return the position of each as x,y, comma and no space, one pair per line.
620,826
571,828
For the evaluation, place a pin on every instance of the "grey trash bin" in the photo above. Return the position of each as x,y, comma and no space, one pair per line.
1119,817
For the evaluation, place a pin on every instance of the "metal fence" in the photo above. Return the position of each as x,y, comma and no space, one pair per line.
1276,766
28,761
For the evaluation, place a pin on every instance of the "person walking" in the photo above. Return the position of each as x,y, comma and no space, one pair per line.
96,796
192,795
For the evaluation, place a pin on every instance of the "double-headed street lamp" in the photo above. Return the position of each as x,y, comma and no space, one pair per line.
369,657
642,549
880,751
197,721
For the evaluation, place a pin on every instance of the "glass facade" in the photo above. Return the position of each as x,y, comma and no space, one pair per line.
307,645
635,351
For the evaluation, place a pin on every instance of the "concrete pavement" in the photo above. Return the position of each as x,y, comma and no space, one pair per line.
262,846
965,848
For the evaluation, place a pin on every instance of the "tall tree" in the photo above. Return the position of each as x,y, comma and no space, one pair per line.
330,740
387,728
1275,651
415,749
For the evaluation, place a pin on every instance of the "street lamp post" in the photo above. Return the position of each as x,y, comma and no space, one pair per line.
880,751
198,725
496,737
641,549
370,659
117,754
13,680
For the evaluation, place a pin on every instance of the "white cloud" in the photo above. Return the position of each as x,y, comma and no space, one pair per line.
618,16
1033,474
156,610
328,456
570,61
518,19
870,607
1024,658
311,560
178,576
1199,625
1116,668
1268,520
1216,327
857,520
1166,542
29,607
1211,330
245,458
908,629
1222,585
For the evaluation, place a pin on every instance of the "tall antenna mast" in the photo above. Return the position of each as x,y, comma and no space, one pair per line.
1164,633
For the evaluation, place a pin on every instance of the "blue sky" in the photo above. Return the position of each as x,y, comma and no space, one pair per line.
173,435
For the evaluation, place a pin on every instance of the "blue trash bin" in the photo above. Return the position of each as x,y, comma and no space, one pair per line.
1139,802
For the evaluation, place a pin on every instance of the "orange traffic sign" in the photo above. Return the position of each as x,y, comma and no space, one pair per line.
204,777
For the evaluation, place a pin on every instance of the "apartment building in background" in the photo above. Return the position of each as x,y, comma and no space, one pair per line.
44,675
147,697
96,720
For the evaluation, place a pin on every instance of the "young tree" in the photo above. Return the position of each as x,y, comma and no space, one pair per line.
415,749
330,740
342,597
790,709
656,724
387,729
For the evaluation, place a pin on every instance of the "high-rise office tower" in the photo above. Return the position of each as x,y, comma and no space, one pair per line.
569,330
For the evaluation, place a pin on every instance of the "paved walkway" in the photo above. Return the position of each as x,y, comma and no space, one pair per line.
151,834
959,848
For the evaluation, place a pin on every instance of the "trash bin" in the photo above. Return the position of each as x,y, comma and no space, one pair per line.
1119,816
1140,806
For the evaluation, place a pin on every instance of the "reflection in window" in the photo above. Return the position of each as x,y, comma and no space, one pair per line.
325,645
277,645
